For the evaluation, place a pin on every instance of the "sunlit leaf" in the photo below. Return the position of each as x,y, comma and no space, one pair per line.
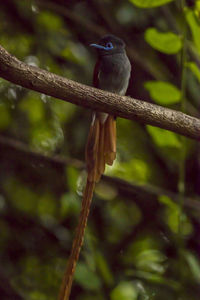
162,92
194,26
195,70
166,42
124,291
164,138
154,278
145,255
72,177
143,243
149,3
134,169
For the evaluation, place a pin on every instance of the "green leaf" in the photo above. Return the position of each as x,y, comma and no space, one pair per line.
162,92
86,278
172,216
49,21
33,106
46,138
164,138
72,175
195,70
194,27
134,169
104,269
193,264
124,291
166,42
5,116
149,3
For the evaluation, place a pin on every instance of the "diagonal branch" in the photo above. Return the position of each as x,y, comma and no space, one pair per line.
56,86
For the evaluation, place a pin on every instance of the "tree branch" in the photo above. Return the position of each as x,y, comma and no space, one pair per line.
123,187
56,86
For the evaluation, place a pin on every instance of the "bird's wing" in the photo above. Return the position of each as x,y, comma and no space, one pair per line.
96,74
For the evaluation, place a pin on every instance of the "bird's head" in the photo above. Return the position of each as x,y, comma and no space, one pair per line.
109,44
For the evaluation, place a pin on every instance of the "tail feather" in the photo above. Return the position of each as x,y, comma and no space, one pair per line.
100,150
101,147
92,150
77,243
101,156
110,140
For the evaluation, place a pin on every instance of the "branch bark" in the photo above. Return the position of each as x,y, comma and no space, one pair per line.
56,86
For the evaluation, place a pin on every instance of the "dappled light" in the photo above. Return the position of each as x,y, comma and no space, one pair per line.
142,240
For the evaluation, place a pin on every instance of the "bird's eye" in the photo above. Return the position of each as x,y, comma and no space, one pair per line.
109,45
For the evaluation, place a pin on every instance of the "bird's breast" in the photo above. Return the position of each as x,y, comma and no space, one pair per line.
114,73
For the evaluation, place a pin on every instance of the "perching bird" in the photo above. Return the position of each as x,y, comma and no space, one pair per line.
111,73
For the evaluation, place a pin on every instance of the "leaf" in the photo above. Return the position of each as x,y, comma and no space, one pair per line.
194,27
72,176
163,92
104,269
86,278
166,42
134,169
164,138
193,264
33,106
124,291
172,216
149,3
5,119
150,260
195,70
49,21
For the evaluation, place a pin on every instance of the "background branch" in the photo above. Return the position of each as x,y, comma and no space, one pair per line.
131,190
53,85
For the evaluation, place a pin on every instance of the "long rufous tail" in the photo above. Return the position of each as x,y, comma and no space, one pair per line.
101,147
100,150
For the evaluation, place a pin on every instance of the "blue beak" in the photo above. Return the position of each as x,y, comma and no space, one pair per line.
97,46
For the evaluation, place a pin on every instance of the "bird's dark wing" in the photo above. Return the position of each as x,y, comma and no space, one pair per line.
96,74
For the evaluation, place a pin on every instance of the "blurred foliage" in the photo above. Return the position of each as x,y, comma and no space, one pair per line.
166,42
163,93
140,244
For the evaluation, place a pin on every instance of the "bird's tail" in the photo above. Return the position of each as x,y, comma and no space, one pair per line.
77,242
101,147
100,150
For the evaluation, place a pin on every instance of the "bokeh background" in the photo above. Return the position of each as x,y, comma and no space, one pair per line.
143,237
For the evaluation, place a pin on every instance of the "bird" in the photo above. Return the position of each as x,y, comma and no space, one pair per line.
111,73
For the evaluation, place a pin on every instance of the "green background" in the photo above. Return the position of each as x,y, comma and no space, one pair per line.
140,244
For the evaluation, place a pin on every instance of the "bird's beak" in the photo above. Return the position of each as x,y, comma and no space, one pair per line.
97,46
